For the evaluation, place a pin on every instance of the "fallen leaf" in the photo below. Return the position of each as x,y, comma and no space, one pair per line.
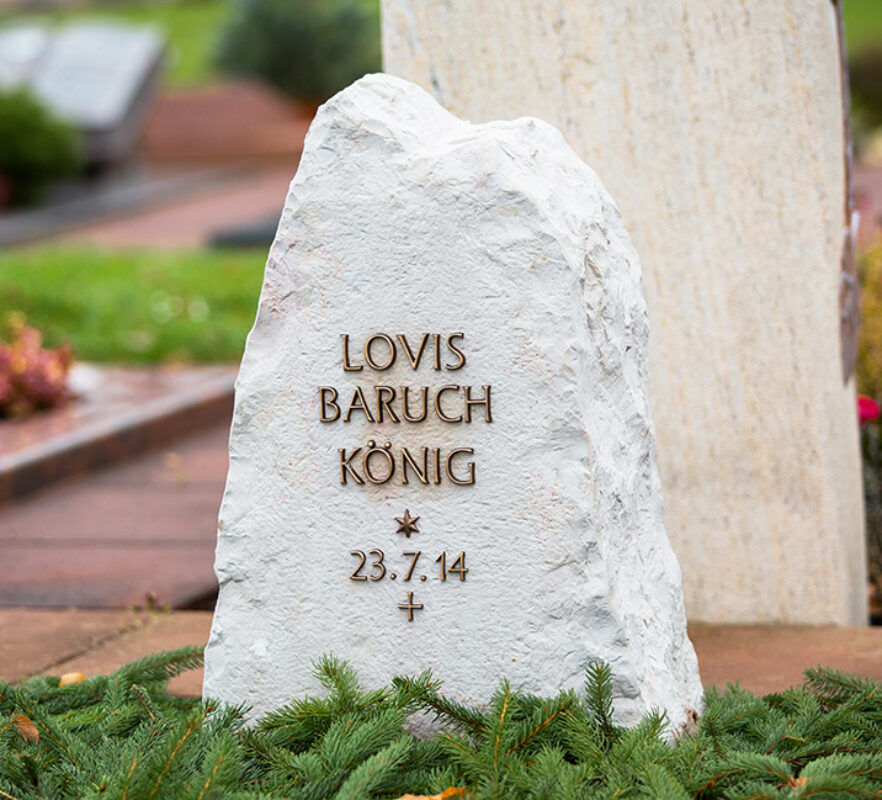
26,728
449,793
71,677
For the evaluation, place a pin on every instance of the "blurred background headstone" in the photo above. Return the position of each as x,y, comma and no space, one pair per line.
719,128
99,77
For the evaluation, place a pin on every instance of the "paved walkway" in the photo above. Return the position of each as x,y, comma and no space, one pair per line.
762,659
191,221
140,533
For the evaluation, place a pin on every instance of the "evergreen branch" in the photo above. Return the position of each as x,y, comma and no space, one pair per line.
129,778
371,773
49,733
132,739
141,696
501,723
462,715
192,725
211,778
544,716
599,693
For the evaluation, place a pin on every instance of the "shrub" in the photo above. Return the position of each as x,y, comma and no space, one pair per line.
306,48
30,376
865,79
869,364
35,148
869,380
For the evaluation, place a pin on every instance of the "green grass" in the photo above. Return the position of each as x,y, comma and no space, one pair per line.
863,25
136,306
191,26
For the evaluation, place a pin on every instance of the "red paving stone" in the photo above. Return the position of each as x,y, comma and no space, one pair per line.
35,640
192,221
761,659
225,121
768,659
112,538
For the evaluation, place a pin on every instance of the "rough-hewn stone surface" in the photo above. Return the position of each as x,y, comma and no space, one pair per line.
404,219
717,126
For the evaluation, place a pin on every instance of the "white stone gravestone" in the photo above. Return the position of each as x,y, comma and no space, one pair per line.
442,455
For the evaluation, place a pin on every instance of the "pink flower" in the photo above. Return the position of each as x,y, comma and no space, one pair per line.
868,409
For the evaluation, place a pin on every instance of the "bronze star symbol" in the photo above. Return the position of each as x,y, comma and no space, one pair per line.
407,524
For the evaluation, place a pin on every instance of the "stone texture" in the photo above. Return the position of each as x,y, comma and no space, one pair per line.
717,126
404,219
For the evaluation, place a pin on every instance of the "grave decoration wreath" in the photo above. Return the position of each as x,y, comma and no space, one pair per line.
31,376
124,736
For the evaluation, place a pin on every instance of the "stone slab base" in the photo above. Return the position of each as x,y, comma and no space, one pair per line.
122,412
762,659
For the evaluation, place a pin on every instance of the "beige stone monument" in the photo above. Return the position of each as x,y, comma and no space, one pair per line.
718,127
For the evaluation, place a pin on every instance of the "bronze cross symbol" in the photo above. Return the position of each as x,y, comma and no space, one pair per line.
410,606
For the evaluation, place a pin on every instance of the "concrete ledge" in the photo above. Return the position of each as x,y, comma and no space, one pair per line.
761,659
162,406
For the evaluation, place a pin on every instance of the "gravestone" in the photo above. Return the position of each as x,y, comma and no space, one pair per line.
718,127
442,455
97,76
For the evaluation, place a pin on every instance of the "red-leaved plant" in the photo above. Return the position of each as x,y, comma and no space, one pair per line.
31,377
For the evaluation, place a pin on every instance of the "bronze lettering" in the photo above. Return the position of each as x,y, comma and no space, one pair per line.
456,351
358,404
347,367
346,468
438,411
368,356
407,458
488,416
404,404
448,467
414,360
437,456
436,338
329,402
383,451
385,395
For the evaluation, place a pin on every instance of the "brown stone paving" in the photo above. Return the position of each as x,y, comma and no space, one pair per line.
36,641
224,121
761,659
192,221
142,532
768,659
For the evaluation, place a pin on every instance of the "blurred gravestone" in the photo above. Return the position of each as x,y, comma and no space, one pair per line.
718,127
97,76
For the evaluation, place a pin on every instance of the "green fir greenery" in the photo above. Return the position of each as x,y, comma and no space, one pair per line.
123,736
